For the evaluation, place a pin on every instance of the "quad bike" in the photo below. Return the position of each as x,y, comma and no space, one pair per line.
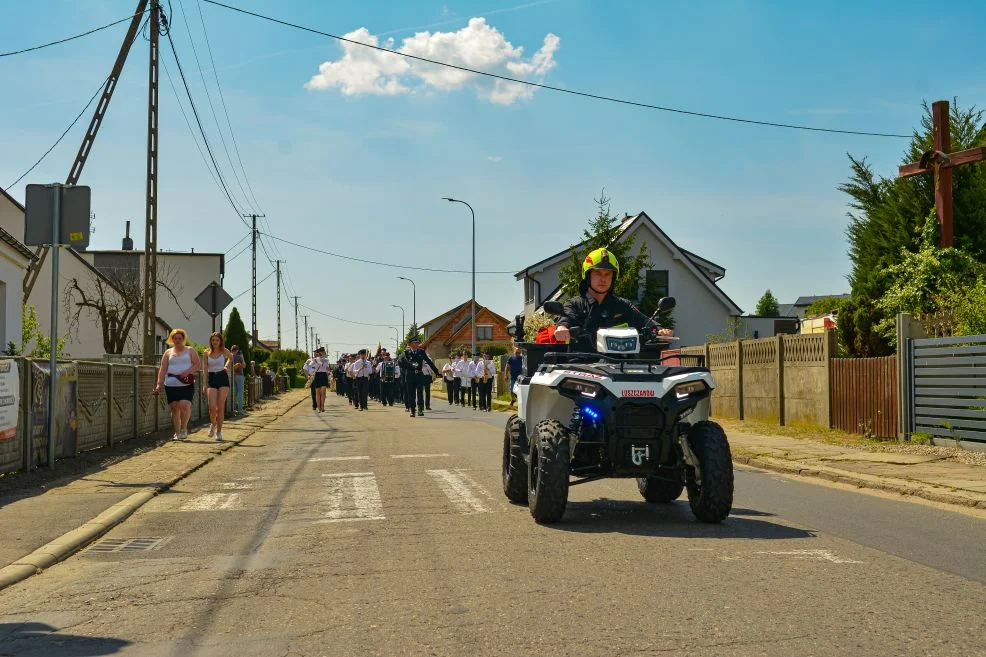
585,416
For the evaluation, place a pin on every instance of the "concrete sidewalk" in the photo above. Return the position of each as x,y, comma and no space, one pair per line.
44,528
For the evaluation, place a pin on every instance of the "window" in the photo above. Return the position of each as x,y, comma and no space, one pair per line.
484,332
656,283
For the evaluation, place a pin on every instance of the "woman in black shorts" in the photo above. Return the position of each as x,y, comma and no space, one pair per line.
320,382
217,360
177,375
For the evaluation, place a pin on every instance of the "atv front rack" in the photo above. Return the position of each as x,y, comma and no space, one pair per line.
556,354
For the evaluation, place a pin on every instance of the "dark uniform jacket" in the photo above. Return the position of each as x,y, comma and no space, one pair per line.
411,361
583,311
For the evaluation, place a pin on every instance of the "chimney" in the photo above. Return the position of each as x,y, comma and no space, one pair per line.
128,243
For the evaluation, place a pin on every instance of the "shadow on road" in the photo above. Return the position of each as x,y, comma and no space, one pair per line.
668,520
42,640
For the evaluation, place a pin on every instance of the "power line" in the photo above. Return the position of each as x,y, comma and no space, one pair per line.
238,253
349,321
251,287
215,72
59,140
212,108
572,92
77,36
198,122
230,249
382,264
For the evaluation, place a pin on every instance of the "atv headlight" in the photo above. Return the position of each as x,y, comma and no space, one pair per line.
584,388
683,390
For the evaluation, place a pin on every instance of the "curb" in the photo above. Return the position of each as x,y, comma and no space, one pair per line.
886,484
75,540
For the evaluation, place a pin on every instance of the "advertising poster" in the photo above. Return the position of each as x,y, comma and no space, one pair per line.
66,420
10,397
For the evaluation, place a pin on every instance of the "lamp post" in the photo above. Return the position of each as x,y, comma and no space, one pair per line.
473,316
397,340
414,300
394,305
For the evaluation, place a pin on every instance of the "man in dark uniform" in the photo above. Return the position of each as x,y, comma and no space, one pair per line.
413,359
387,373
596,307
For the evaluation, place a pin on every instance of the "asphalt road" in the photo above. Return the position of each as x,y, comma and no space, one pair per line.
351,533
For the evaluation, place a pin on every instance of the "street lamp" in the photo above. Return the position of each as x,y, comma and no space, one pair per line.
394,305
414,300
397,340
473,317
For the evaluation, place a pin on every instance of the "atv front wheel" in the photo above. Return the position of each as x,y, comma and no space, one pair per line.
547,488
657,490
514,468
712,499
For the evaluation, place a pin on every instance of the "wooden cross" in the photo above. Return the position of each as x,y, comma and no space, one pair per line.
940,162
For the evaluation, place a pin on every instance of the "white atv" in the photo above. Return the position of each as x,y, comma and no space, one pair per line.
587,416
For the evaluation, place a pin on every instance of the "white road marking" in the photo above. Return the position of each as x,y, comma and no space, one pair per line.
212,502
417,456
236,485
351,496
462,491
815,555
318,459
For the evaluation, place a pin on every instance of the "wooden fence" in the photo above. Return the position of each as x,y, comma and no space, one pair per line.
864,395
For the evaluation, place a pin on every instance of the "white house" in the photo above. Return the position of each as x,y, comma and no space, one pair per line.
82,328
14,259
703,308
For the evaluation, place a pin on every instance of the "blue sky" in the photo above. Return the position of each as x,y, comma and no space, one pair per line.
347,168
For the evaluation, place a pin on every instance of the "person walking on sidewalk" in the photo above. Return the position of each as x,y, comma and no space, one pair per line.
177,374
239,379
217,359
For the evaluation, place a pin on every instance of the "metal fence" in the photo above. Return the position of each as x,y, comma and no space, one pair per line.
98,404
946,380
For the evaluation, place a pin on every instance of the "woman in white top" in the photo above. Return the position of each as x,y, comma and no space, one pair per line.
217,359
177,375
320,377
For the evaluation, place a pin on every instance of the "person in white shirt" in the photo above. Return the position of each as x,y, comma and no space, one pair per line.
448,375
429,378
488,373
388,371
361,369
476,375
462,379
309,369
320,377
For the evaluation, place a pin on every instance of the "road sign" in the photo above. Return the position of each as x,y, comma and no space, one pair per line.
213,299
74,209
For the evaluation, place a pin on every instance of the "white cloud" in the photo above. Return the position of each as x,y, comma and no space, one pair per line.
477,46
494,158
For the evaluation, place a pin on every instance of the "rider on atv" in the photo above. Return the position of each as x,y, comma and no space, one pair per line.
596,307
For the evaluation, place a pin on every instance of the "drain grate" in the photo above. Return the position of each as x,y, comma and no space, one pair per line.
129,544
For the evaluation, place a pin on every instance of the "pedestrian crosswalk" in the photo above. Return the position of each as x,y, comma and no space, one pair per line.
355,496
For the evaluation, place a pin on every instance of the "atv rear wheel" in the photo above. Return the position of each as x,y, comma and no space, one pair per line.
712,499
657,490
547,488
514,468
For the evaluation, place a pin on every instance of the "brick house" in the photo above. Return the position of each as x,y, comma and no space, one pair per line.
452,329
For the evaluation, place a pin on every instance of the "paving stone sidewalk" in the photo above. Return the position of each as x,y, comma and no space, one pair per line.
43,526
919,472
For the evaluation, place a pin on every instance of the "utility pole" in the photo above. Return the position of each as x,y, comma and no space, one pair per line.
306,335
296,345
255,337
277,263
150,228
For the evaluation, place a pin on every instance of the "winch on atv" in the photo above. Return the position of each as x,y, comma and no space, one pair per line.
620,412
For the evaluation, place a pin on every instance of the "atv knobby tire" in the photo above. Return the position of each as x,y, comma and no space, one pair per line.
659,491
547,488
711,500
514,468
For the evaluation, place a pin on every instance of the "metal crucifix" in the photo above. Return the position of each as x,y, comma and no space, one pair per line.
940,162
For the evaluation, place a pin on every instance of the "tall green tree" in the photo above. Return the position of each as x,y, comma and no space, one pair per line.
768,306
888,218
236,333
605,230
412,331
